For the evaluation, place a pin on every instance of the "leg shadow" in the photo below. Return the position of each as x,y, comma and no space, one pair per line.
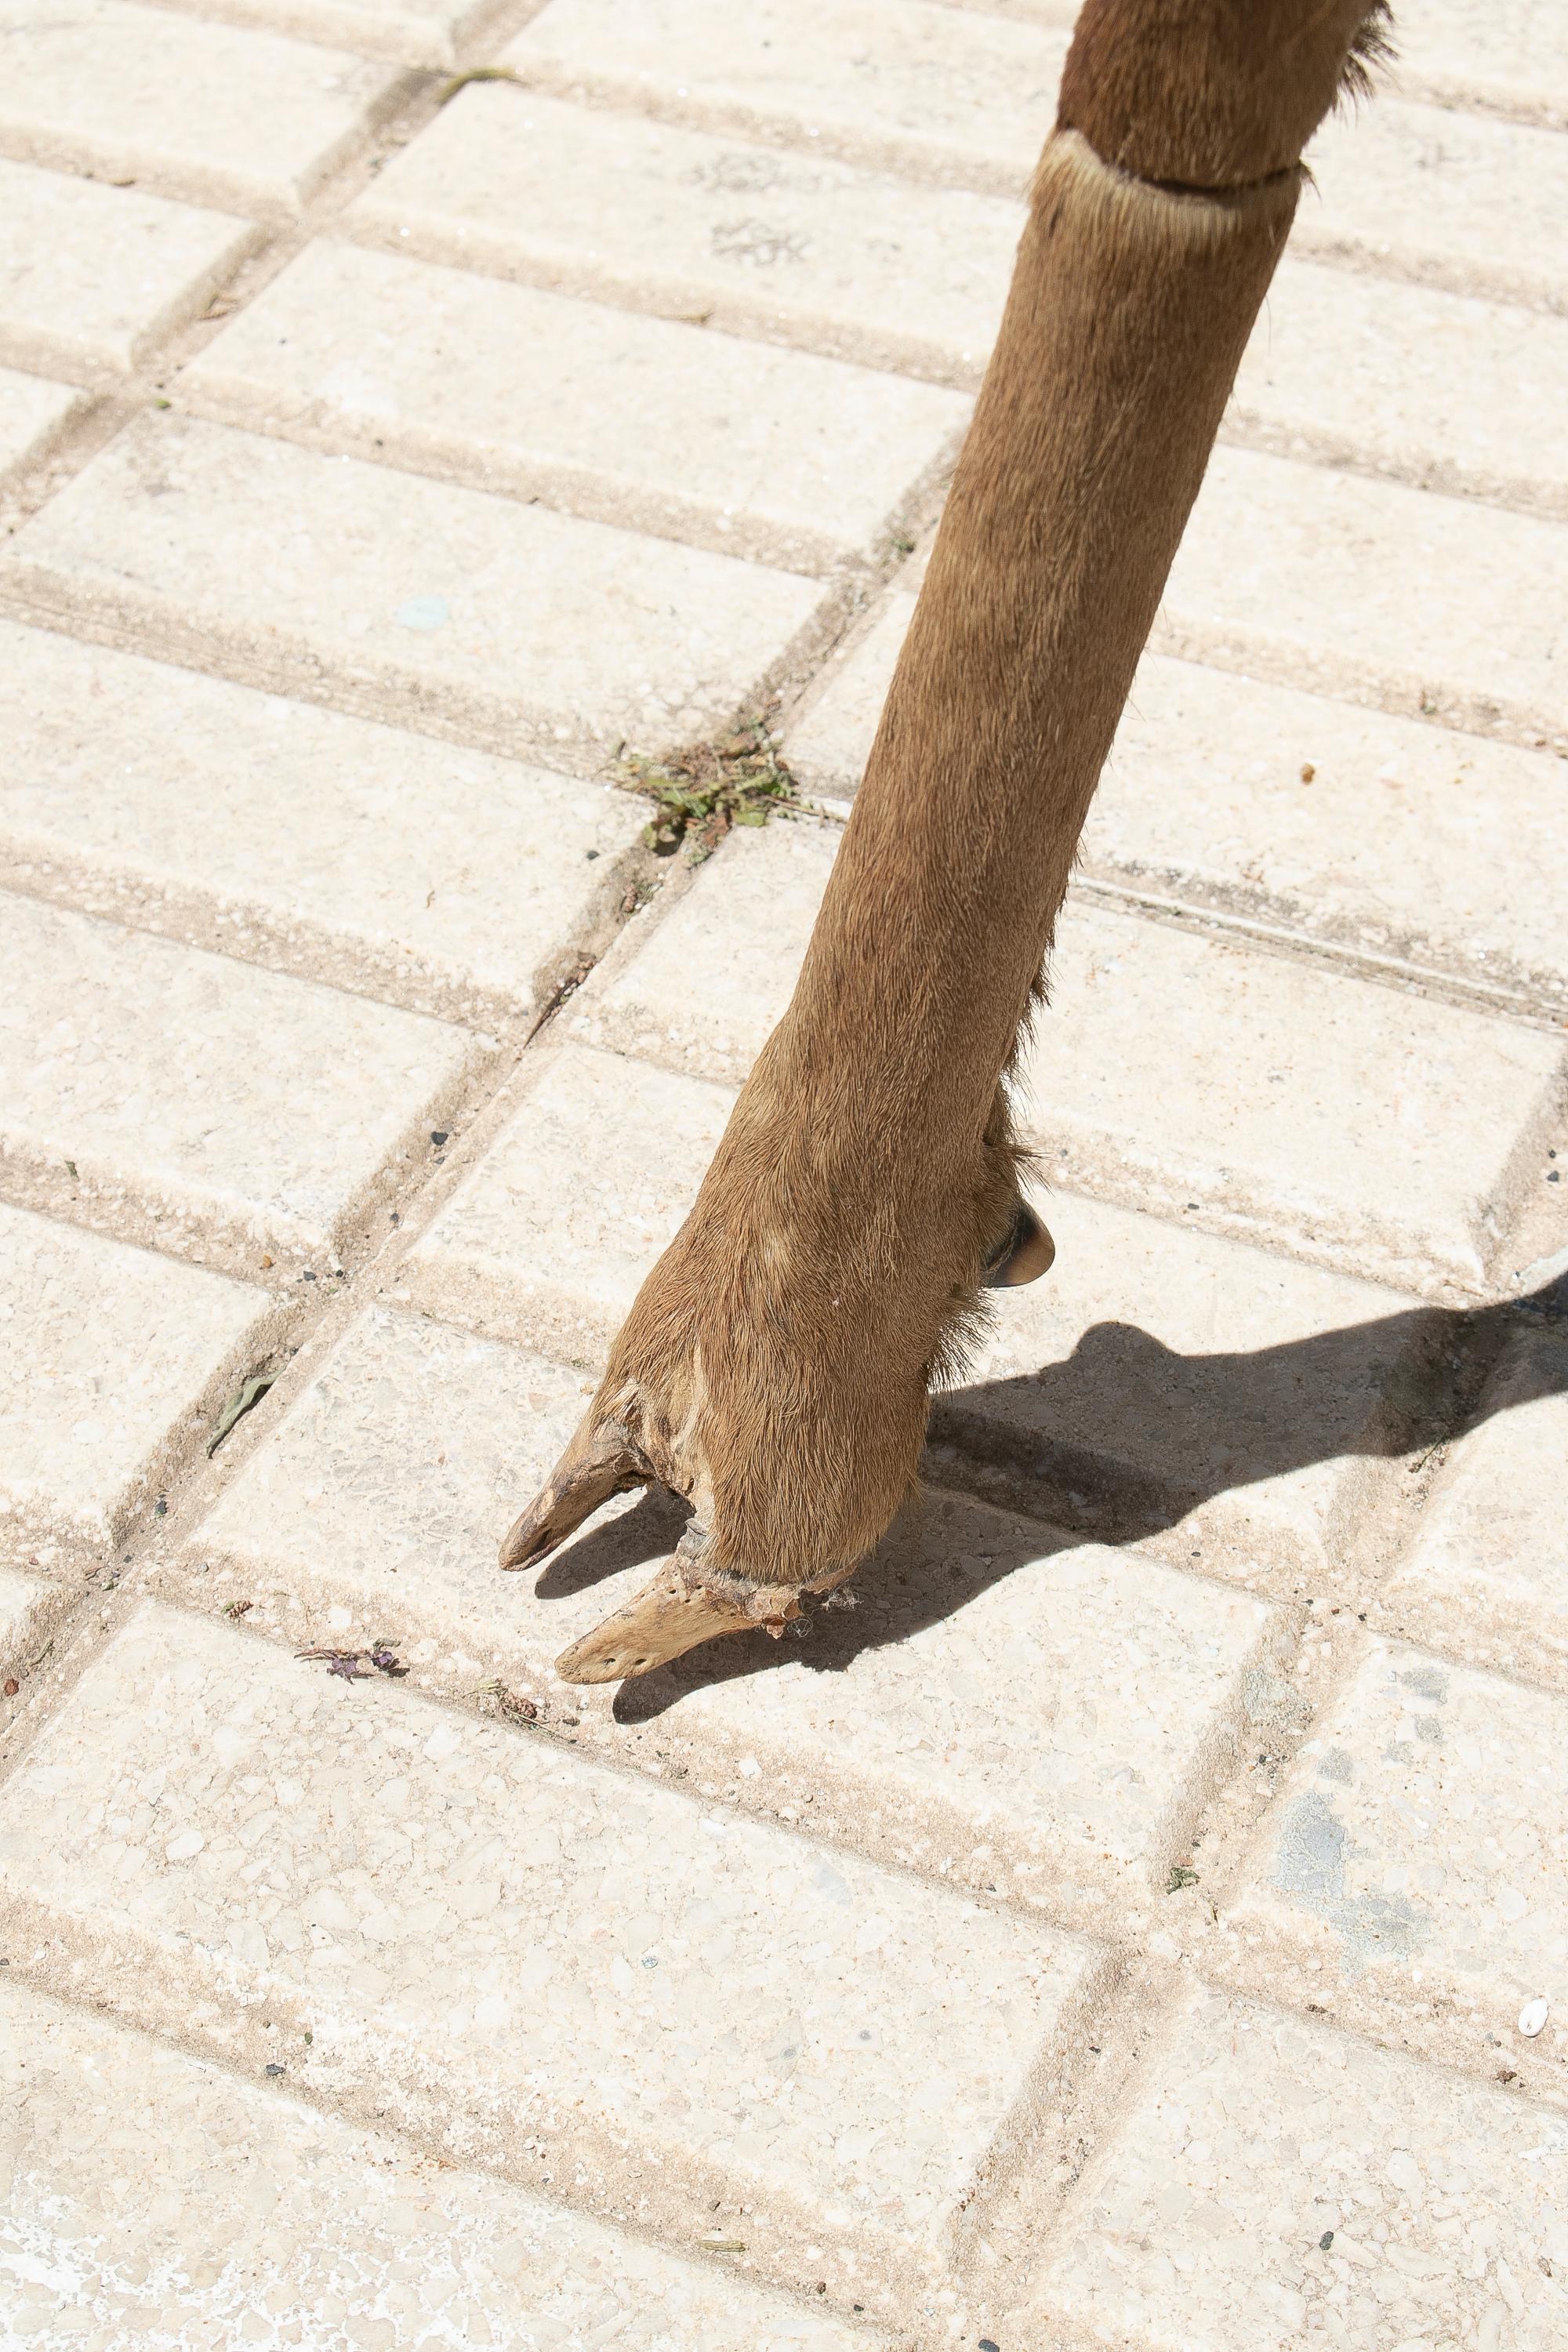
1206,1426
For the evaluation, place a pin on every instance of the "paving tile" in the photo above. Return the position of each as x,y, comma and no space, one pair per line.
461,1914
963,96
1312,578
439,878
1351,1121
90,276
24,1604
408,598
1508,54
1443,391
1390,836
33,415
1354,1120
699,986
1060,1704
1161,1379
1420,1842
217,1107
900,83
1383,834
548,1239
207,111
1445,197
801,250
657,427
108,1351
1487,1575
269,2214
415,32
1277,2185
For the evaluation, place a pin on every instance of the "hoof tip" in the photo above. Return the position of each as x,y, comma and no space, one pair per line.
1027,1253
664,1620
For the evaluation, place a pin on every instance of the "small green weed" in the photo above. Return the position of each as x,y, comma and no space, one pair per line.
700,792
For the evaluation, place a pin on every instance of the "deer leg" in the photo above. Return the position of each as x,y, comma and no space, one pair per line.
776,1365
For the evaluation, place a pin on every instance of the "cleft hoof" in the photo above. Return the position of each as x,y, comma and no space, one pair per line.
1026,1252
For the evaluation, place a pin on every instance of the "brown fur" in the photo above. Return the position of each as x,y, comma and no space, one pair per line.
1214,93
776,1364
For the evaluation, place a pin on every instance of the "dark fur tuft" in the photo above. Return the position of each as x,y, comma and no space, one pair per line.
1372,53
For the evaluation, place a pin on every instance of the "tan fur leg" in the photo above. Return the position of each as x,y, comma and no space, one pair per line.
777,1363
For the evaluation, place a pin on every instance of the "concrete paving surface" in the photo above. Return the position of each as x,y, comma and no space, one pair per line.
1143,1921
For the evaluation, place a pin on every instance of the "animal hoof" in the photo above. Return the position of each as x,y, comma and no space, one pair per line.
601,1461
666,1619
1026,1253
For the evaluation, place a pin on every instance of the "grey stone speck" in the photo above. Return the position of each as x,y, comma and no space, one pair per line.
1310,1867
1427,1682
1268,1698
